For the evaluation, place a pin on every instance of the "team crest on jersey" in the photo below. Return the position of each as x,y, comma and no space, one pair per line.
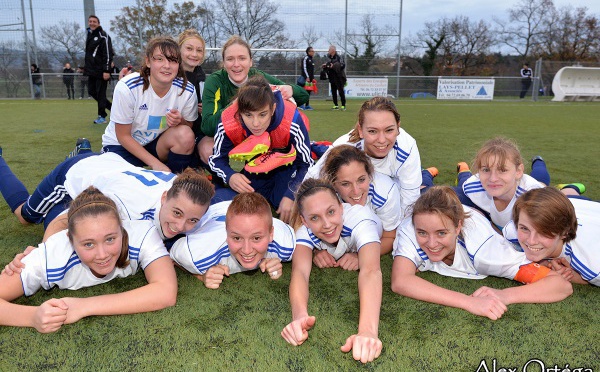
157,122
143,107
149,214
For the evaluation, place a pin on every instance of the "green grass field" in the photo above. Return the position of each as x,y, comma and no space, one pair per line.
237,327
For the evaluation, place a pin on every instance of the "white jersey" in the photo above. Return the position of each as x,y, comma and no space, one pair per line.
207,246
402,164
56,264
361,226
475,191
135,190
583,252
479,252
145,111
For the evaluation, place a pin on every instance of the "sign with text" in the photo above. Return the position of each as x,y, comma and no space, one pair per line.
365,87
475,89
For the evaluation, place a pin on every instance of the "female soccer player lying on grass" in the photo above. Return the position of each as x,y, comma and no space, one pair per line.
392,151
260,121
351,234
499,179
236,236
153,112
550,226
351,173
175,203
454,240
96,248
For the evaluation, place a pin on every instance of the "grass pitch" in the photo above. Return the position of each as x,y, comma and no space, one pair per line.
237,327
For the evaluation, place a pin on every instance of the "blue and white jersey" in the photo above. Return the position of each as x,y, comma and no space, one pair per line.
479,252
136,191
402,165
360,226
207,246
145,111
583,252
475,191
56,264
384,199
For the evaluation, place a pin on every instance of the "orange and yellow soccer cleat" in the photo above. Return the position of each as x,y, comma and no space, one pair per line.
271,160
251,147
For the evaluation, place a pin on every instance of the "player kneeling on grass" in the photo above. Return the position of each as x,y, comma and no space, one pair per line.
236,236
269,134
96,248
550,226
352,235
454,240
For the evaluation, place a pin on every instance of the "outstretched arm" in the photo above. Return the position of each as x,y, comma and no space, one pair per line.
365,345
296,332
407,283
160,292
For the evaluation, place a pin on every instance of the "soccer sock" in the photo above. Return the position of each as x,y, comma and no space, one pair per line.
14,191
427,180
178,162
540,172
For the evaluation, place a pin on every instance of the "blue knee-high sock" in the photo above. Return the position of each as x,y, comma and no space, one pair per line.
427,180
178,162
13,190
540,172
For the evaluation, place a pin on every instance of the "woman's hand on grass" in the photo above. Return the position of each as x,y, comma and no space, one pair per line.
296,332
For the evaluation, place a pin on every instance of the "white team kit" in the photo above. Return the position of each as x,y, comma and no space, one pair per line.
479,253
56,264
136,191
206,246
360,226
475,191
402,165
145,111
583,252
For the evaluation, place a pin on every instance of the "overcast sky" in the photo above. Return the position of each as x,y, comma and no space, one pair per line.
325,15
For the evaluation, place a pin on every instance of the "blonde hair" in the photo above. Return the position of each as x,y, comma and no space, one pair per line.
191,33
235,39
501,150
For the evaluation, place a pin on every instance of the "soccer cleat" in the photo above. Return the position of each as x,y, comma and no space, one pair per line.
579,187
100,120
81,147
462,167
251,147
536,158
271,160
343,108
335,108
433,171
308,108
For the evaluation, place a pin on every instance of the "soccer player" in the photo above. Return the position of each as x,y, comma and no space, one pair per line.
391,149
261,121
236,236
96,248
351,173
153,112
351,234
174,203
499,179
454,240
550,227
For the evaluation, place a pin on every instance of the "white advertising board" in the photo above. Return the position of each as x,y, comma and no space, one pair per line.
365,87
474,89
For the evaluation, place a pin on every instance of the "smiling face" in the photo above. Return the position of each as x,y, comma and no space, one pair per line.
537,246
237,62
98,242
179,214
322,213
248,238
93,23
163,69
500,180
352,183
436,235
192,53
379,131
258,121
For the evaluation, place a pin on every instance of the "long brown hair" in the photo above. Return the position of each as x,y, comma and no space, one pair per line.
374,104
